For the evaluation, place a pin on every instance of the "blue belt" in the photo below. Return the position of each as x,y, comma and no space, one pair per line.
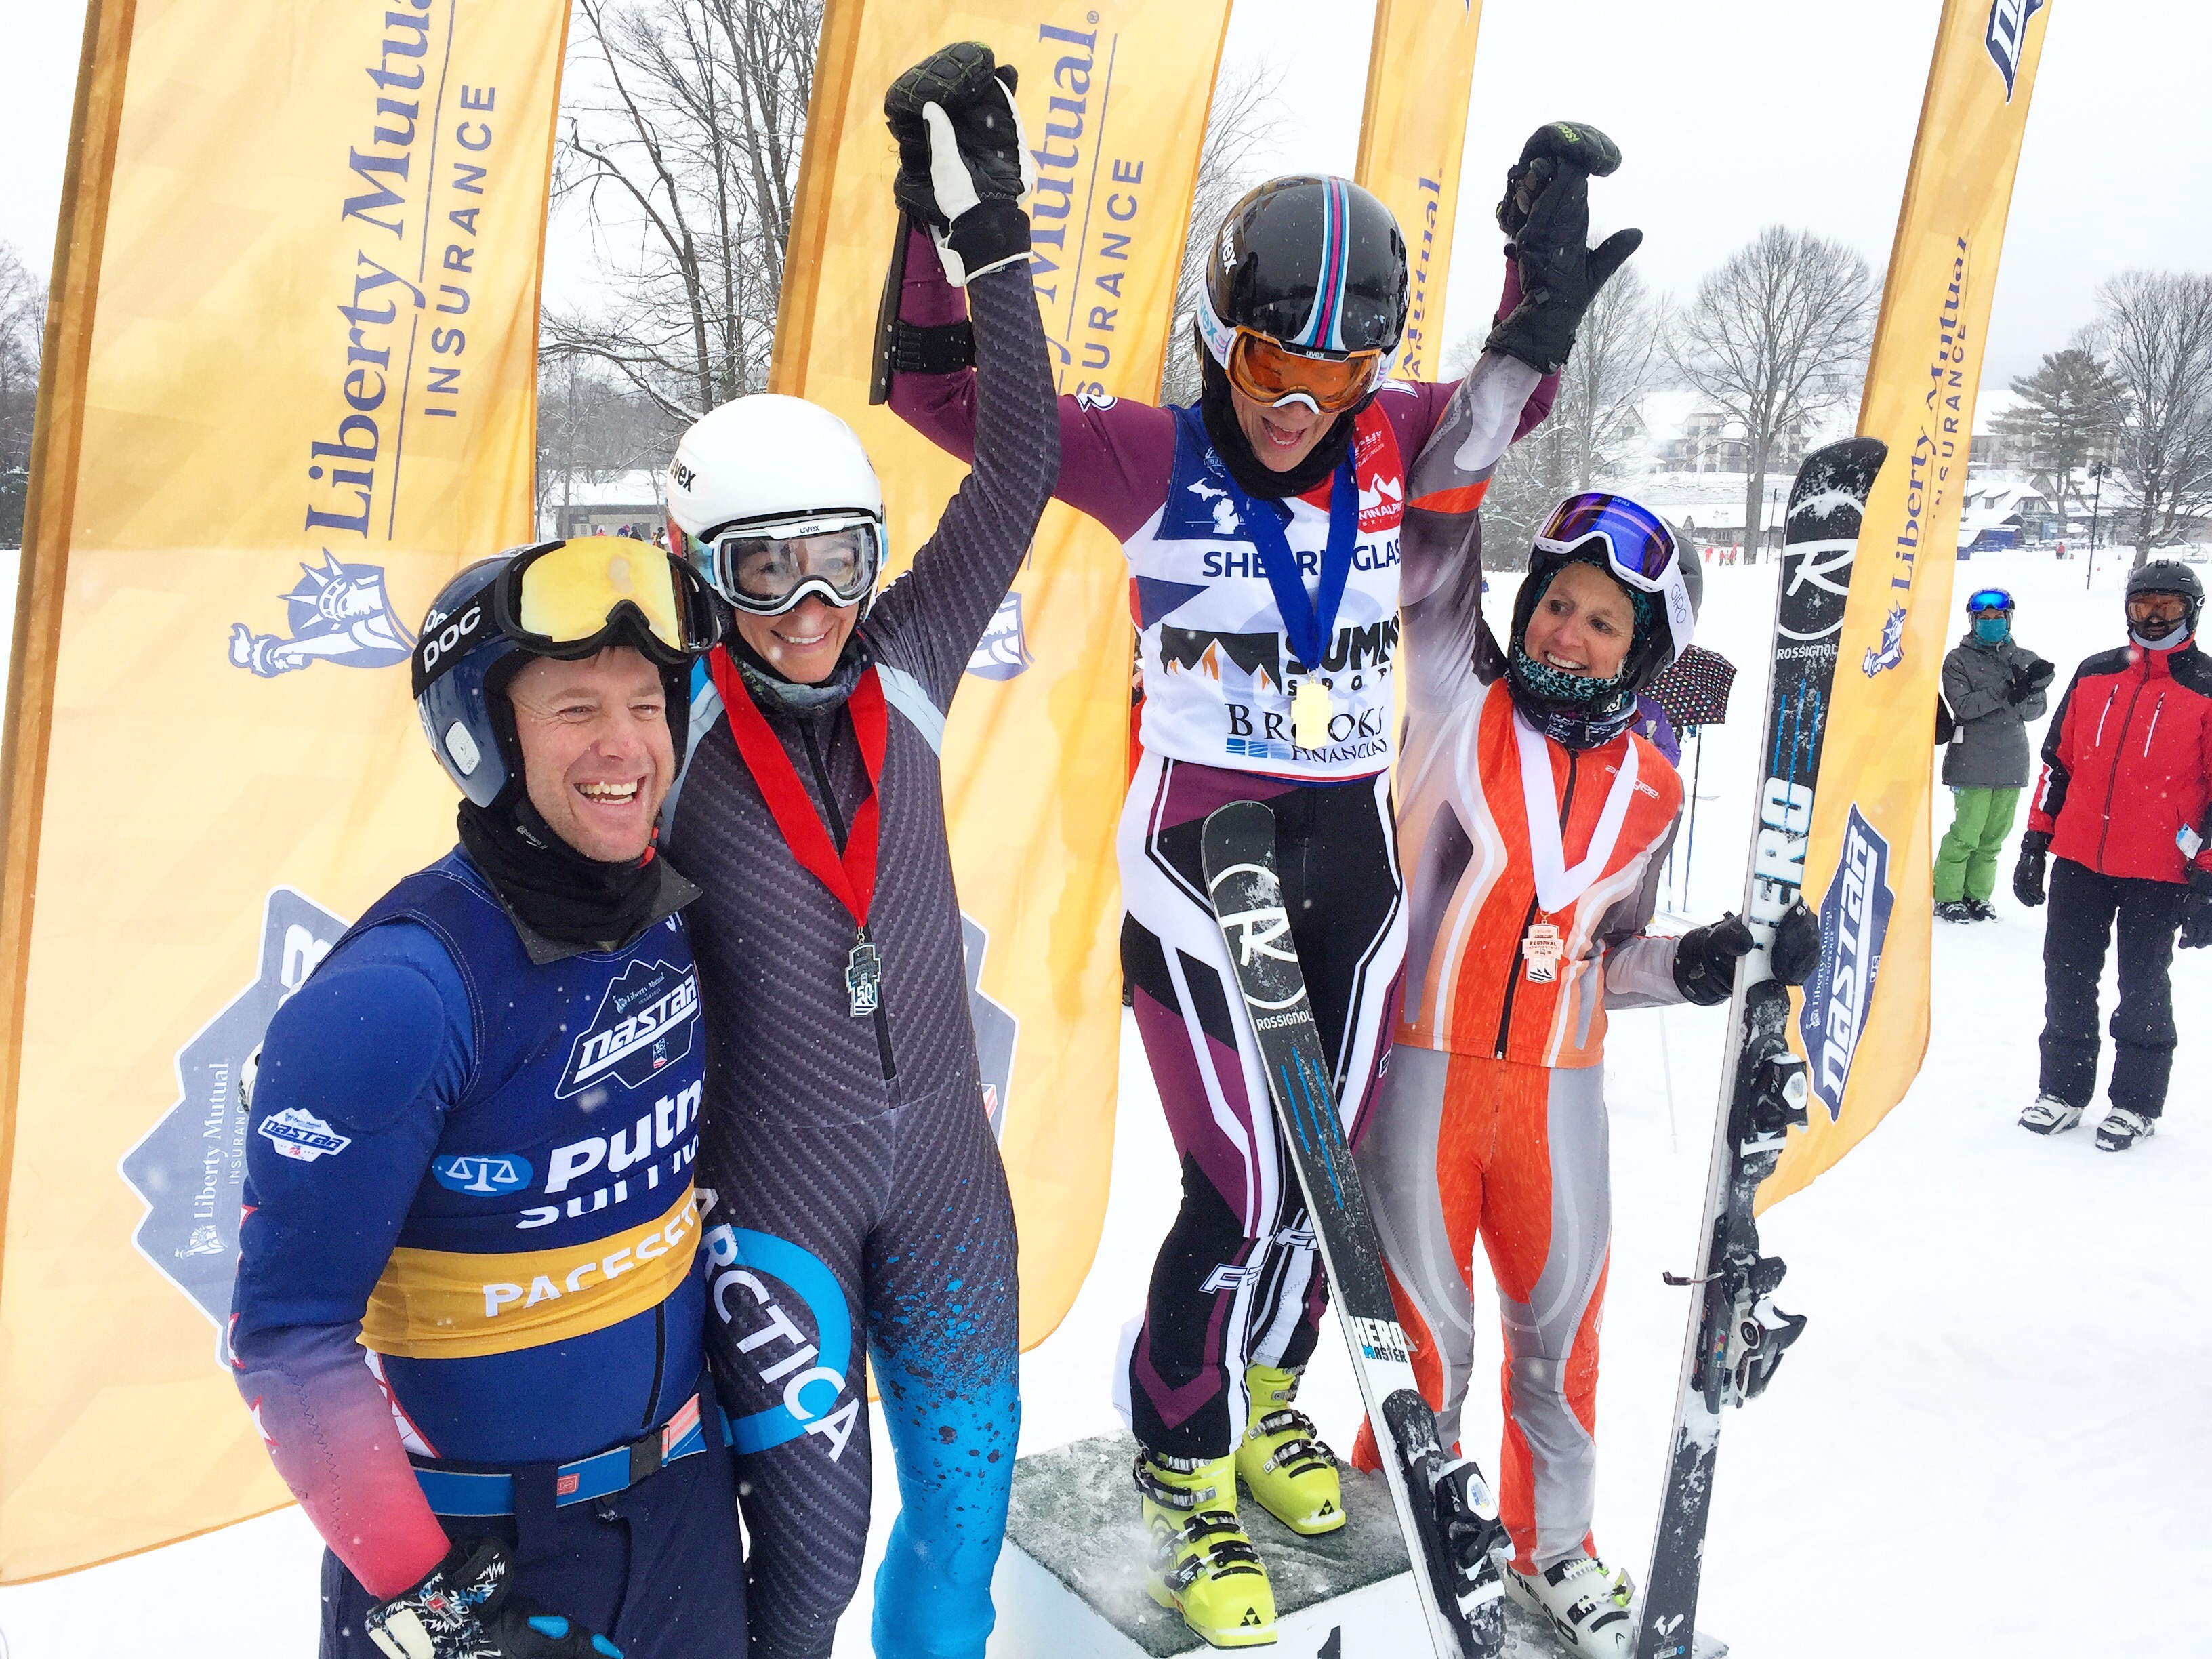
452,1492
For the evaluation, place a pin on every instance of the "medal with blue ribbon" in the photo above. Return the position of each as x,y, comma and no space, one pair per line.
1309,620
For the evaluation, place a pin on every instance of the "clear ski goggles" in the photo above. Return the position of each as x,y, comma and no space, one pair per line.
1639,551
766,570
1268,372
575,598
1987,598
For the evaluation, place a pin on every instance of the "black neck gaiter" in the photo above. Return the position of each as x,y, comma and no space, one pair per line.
773,692
1257,481
556,891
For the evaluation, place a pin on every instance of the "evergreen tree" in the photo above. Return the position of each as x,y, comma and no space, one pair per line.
2065,417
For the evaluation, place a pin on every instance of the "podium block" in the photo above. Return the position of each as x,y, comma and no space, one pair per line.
1070,1581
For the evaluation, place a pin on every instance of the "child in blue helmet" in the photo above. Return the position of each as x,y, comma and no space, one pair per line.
1993,686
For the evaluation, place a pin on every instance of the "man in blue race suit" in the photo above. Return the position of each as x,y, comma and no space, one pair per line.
470,1306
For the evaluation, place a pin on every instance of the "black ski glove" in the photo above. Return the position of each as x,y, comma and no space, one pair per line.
2196,912
1706,959
1571,143
466,1608
2028,875
965,170
1560,272
2029,678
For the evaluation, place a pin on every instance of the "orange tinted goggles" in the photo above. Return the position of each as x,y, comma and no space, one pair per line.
1268,372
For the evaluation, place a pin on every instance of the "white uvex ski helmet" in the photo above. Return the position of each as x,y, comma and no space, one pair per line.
771,467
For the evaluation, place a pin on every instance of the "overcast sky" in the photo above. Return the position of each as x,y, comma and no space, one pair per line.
1732,115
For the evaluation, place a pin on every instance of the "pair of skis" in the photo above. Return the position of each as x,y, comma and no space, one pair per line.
1736,1336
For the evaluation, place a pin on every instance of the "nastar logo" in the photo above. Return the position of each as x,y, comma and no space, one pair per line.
2007,37
299,1133
338,614
645,1020
1854,923
1890,651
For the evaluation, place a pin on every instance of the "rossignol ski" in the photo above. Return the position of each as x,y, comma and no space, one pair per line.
1736,1335
1445,1509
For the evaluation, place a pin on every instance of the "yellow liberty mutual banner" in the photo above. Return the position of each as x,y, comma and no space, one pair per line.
1419,73
1863,1022
290,389
1114,98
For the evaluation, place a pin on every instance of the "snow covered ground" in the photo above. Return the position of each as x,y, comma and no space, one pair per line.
1996,1436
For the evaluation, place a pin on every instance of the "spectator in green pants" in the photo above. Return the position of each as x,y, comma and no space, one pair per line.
1994,687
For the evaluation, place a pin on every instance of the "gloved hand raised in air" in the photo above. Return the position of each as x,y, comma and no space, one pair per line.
965,170
466,1608
2028,875
1705,957
1546,213
2196,912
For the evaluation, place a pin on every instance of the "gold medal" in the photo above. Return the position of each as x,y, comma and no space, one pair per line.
1543,948
1310,714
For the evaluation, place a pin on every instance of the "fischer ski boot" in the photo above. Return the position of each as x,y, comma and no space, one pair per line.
2121,1129
1282,1458
2049,1116
1586,1602
1203,1565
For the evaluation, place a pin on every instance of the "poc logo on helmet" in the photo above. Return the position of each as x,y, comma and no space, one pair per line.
450,636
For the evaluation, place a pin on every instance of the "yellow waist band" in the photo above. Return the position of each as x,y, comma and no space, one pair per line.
442,1304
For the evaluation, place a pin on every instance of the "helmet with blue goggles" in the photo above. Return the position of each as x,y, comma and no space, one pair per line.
1987,598
1640,552
766,568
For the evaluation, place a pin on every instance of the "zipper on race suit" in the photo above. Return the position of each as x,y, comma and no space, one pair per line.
660,1361
2113,776
1513,965
837,830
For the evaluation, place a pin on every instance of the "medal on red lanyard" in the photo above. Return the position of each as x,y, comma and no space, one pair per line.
851,876
1309,620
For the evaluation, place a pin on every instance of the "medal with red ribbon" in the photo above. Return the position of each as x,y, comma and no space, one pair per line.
851,876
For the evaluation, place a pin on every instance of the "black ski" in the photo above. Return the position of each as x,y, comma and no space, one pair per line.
1736,1335
1444,1507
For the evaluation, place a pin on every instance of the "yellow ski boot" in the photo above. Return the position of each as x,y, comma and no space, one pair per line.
1203,1566
1282,1460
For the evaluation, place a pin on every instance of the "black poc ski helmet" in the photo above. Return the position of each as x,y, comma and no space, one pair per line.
462,700
2169,576
1313,262
1577,723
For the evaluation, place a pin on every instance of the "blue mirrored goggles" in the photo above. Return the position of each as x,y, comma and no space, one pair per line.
1987,598
1639,550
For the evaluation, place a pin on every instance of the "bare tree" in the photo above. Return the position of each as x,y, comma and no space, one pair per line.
682,150
2065,415
22,331
1582,443
2157,334
592,425
1245,115
1779,332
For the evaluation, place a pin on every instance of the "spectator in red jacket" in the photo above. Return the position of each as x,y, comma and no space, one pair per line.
2125,803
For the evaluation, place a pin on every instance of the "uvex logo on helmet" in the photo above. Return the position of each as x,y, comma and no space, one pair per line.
683,475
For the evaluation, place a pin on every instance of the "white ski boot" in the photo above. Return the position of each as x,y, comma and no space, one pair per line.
1585,1600
2121,1129
2049,1116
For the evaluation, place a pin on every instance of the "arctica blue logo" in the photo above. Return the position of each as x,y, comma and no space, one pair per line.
768,1292
481,1175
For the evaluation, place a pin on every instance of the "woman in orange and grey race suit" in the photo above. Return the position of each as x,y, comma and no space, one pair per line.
1535,821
